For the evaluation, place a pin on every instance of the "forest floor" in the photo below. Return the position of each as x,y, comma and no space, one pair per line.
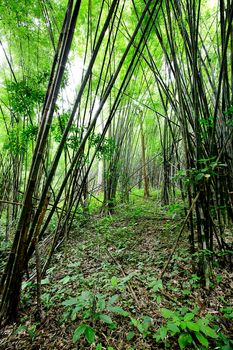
103,290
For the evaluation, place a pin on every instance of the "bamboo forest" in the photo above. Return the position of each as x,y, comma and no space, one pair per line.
116,174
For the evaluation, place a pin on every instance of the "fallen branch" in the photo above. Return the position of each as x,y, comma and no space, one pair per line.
123,272
179,235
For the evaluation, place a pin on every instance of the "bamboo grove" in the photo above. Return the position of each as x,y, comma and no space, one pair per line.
105,96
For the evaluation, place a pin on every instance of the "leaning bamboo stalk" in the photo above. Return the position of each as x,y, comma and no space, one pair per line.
179,236
38,260
12,276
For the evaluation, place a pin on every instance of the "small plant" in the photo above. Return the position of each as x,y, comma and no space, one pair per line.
31,330
175,209
156,285
28,288
47,300
227,312
142,326
121,283
93,308
194,281
187,328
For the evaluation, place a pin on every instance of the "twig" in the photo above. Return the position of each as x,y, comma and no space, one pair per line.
123,272
10,202
169,297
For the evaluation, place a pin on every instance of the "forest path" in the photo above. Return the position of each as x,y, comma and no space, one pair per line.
120,257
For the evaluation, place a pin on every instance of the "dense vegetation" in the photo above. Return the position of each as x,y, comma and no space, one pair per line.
116,204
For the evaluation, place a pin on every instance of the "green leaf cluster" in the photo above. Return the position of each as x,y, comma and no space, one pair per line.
19,139
94,308
188,328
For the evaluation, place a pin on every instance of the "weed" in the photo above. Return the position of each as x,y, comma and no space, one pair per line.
93,308
188,328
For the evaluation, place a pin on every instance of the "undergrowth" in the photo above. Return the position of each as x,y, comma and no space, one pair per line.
103,290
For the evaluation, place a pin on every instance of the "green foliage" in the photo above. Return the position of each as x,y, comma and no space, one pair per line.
28,288
203,253
227,312
142,325
19,139
85,329
47,301
229,111
24,32
25,95
4,245
156,285
121,283
229,115
31,330
107,147
209,122
187,327
74,136
210,168
175,209
94,308
194,281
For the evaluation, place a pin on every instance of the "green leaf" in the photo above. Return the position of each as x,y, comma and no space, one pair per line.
69,302
74,316
147,320
209,332
98,347
78,332
161,333
156,285
114,281
184,339
177,320
193,326
183,325
90,334
202,339
118,310
130,336
113,299
227,347
101,304
20,328
32,332
86,296
128,277
134,322
199,177
186,291
65,280
26,284
45,281
189,316
87,314
203,322
171,326
105,318
141,327
167,313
